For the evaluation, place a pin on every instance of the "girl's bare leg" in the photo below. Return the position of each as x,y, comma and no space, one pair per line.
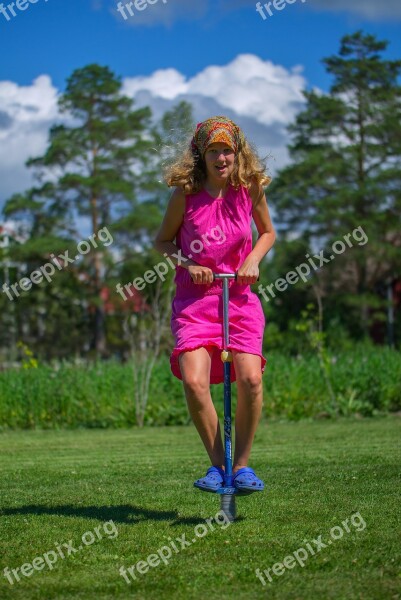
249,404
195,369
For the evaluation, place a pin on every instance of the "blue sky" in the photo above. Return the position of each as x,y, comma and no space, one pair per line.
57,36
219,54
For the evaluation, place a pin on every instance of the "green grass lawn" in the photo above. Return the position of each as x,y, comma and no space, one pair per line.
57,486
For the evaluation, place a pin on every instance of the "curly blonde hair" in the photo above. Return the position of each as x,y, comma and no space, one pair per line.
189,170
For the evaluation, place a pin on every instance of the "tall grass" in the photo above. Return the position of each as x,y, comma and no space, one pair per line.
365,381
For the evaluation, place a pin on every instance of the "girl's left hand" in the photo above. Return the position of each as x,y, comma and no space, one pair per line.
248,273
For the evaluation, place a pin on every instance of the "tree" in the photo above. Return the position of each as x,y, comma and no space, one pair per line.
92,168
145,331
346,170
169,137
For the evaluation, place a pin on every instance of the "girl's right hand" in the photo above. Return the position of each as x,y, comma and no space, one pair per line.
200,275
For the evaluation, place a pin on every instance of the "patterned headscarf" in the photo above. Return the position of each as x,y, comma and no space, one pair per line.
217,129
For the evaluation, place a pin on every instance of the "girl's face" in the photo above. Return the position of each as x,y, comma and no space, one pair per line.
219,159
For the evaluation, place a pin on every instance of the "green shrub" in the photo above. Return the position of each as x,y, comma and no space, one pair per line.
365,380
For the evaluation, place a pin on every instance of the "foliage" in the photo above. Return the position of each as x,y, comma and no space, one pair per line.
365,380
88,172
104,165
345,174
311,325
28,359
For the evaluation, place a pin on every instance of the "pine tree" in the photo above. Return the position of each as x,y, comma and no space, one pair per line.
346,170
92,168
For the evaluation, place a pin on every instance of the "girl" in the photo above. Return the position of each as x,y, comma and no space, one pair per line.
219,187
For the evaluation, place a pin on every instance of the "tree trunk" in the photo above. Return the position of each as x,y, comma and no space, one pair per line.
99,338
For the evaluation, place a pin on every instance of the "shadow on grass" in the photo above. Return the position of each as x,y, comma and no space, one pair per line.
125,513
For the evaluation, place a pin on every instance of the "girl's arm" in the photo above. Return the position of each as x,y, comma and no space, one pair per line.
249,271
264,225
170,225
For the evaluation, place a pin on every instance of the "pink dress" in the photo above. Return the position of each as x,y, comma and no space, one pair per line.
216,233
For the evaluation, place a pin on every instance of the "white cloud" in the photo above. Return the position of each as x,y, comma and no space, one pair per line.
372,10
165,83
26,114
166,12
375,10
214,10
262,97
253,87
